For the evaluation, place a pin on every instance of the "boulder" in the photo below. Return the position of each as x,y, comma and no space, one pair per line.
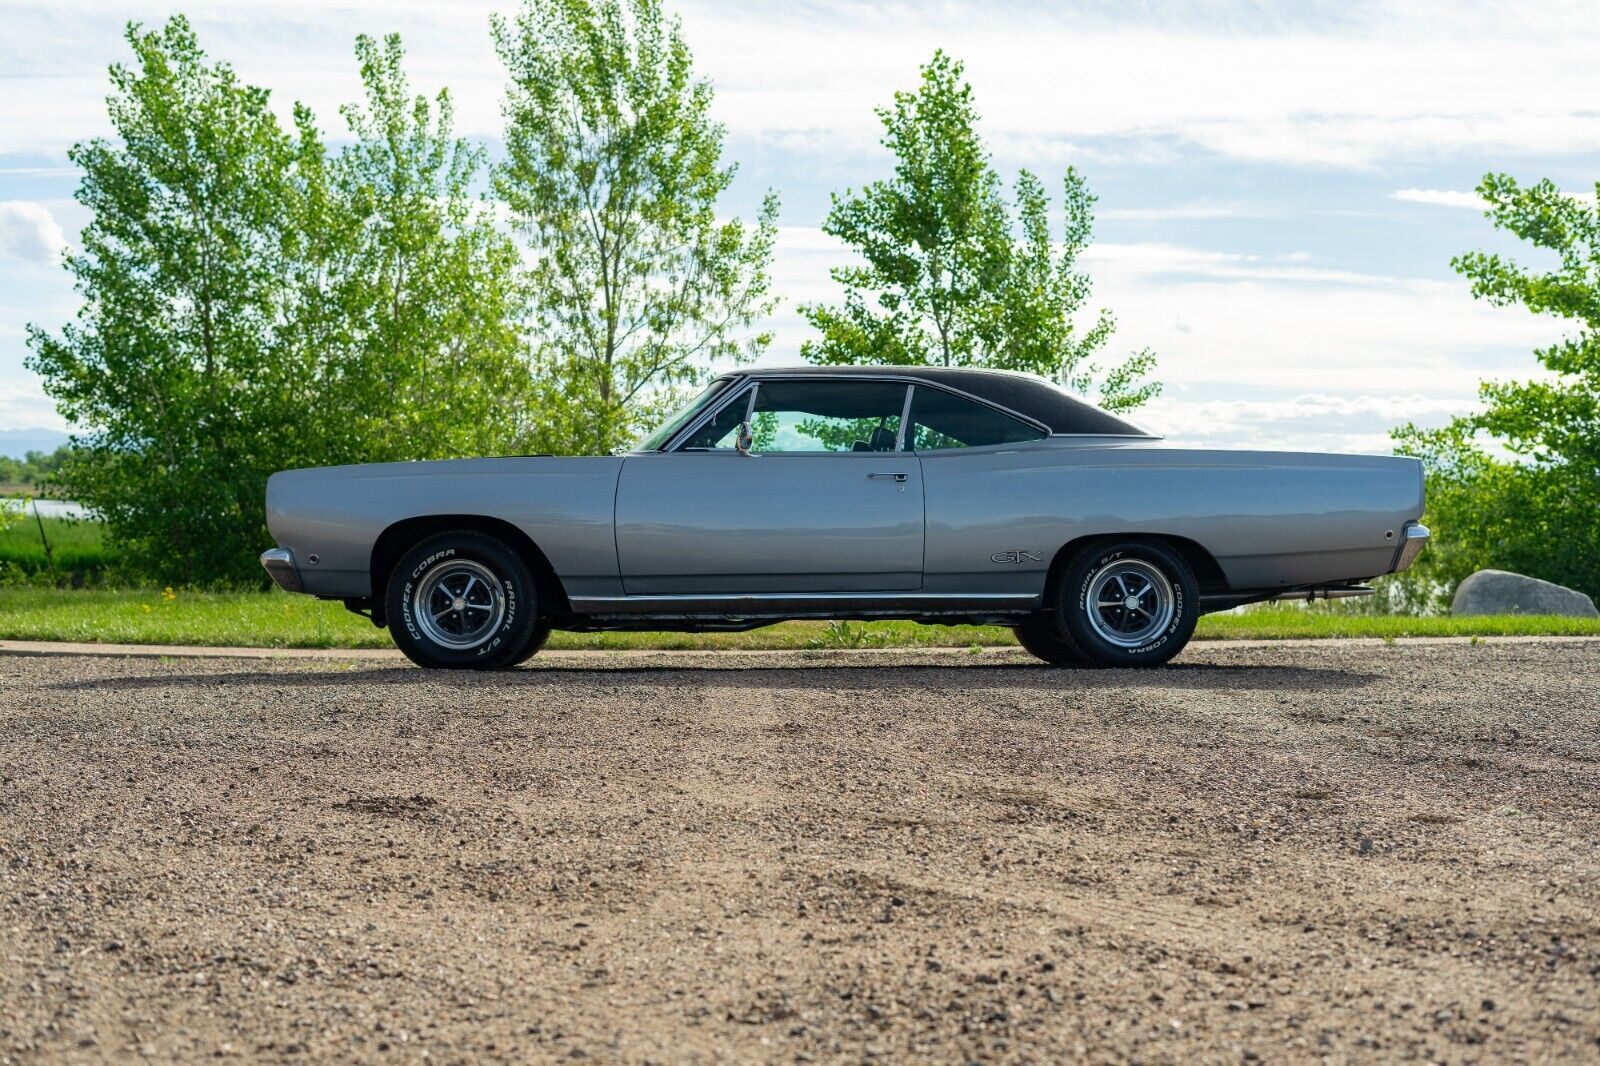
1502,592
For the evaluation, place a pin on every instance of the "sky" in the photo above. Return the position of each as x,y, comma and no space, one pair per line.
1281,186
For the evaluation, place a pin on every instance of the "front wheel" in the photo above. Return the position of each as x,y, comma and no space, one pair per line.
536,642
1127,603
464,601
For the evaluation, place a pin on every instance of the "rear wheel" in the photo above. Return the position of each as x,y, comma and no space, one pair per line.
1041,635
462,600
1127,603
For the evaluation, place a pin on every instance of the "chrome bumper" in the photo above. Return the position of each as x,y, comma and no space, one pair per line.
1412,541
279,562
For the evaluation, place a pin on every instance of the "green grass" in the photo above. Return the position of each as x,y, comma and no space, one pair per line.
75,545
279,620
1280,623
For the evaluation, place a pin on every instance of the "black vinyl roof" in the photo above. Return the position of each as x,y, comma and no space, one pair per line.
1032,397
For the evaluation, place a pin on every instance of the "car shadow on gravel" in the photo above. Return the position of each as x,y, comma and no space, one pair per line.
945,676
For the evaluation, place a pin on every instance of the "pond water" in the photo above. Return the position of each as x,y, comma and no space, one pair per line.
53,508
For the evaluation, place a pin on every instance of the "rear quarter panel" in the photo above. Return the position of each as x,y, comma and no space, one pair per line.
337,513
1271,519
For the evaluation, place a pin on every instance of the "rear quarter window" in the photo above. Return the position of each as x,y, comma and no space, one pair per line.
942,420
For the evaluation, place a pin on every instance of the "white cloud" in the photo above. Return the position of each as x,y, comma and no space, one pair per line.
1456,198
1304,422
1159,260
1197,210
23,405
1233,320
1345,85
1440,198
29,233
1259,350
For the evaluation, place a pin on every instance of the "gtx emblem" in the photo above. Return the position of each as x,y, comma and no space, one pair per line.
1017,557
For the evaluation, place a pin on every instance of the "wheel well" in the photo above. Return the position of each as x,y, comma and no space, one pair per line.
1207,573
399,538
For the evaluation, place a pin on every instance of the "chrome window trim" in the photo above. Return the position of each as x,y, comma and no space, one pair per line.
1043,430
754,381
914,379
909,379
712,412
711,403
905,419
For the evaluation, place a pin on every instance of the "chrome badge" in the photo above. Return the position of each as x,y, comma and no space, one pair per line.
1017,557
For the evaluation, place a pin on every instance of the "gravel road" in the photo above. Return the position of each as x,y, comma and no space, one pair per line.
1307,852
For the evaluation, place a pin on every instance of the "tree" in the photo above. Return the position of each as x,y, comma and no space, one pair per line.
948,276
252,303
421,284
171,369
1533,512
34,469
613,171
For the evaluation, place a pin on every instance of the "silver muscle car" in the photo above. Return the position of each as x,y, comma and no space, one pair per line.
940,495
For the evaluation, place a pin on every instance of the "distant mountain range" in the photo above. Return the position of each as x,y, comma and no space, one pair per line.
15,443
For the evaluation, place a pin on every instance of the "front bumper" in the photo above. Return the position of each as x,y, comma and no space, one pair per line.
279,562
1412,540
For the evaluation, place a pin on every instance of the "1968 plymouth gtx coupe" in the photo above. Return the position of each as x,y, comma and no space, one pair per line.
940,495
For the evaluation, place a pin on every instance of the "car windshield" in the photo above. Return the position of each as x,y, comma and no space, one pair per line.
664,432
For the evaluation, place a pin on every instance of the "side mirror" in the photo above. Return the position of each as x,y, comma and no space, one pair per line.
742,442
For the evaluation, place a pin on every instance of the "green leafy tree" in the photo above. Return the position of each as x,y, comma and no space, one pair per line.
613,172
12,513
1531,508
171,368
425,290
952,274
34,469
252,303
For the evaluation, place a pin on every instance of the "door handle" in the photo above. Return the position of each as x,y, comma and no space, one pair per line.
899,475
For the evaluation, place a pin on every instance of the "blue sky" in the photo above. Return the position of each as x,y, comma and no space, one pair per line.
1281,186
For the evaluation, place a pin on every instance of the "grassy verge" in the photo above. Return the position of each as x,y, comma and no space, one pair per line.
1283,623
74,545
279,620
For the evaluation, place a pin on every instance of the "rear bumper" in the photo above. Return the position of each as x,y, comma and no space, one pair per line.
279,562
1412,541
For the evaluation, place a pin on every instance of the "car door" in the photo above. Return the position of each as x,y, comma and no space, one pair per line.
992,498
822,500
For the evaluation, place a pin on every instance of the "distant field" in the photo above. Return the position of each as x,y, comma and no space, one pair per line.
74,545
279,620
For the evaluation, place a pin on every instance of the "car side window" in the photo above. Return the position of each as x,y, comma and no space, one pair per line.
941,419
811,416
827,416
720,431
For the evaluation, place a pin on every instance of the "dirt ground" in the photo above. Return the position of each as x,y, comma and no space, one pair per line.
1341,852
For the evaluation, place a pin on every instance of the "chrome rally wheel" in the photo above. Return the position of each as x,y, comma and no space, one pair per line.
462,600
459,605
1127,603
1130,602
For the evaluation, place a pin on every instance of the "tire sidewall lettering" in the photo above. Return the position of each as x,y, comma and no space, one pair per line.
433,560
1179,606
510,589
1089,576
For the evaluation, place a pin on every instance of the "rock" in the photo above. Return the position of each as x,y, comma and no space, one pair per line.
1501,592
